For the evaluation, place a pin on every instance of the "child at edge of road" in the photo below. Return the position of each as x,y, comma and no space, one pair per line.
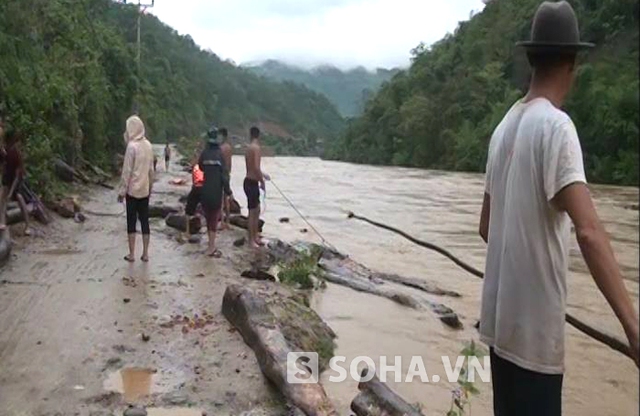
12,177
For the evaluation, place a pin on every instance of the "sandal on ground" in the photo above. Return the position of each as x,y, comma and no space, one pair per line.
129,258
144,259
216,254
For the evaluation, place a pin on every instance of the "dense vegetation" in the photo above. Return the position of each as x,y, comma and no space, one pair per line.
68,79
347,90
440,113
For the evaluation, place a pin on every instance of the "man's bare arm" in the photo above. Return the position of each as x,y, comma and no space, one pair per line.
598,254
484,217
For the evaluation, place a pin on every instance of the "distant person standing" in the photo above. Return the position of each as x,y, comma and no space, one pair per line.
227,155
167,156
253,182
136,185
535,188
12,178
214,188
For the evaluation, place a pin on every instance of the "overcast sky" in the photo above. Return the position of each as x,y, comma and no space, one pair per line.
344,33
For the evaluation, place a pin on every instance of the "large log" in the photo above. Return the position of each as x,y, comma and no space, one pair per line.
242,222
5,246
234,206
162,211
416,283
179,222
63,171
251,316
377,399
15,216
346,272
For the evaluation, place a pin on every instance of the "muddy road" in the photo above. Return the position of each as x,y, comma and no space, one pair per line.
82,332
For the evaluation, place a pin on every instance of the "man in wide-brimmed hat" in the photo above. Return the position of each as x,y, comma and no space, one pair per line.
535,187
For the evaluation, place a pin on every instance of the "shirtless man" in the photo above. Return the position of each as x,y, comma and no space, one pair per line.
227,153
252,183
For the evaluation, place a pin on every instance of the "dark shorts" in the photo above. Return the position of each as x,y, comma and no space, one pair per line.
252,190
137,209
7,179
193,199
521,392
212,216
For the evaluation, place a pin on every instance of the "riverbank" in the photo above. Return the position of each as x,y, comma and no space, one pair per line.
74,313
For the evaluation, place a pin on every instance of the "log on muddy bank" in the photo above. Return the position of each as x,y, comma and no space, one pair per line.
234,206
259,328
162,211
5,246
377,399
15,216
242,222
179,222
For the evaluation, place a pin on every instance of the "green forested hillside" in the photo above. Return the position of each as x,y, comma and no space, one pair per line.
347,90
440,113
68,79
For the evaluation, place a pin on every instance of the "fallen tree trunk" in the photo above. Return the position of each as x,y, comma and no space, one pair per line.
416,284
344,271
586,329
243,222
250,315
234,206
162,211
377,399
5,246
179,222
15,216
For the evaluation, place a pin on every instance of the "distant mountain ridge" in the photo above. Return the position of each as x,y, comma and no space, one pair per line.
348,90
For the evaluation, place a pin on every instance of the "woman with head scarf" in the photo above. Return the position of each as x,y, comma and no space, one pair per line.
136,184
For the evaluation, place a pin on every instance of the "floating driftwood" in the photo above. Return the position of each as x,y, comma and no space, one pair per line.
5,246
259,328
377,399
342,270
242,222
416,284
346,272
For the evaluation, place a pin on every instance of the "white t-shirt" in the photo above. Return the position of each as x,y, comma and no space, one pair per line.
533,154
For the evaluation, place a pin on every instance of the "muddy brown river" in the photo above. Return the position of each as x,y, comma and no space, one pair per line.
72,311
442,208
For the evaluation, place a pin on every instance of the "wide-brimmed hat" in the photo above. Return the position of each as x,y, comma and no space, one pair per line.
555,27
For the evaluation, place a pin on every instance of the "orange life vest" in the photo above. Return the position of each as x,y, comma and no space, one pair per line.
197,176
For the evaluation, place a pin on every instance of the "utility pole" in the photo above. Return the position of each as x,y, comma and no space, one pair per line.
141,9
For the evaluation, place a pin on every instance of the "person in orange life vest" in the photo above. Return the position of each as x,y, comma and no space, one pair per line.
193,199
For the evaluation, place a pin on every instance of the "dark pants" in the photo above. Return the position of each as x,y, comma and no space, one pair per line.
137,209
520,392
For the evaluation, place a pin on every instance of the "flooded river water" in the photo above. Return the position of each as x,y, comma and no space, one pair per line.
442,208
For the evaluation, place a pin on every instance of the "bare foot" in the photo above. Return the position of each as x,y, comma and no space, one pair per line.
27,231
145,259
129,258
259,242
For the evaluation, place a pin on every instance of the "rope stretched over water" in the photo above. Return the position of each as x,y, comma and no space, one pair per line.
324,240
586,329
